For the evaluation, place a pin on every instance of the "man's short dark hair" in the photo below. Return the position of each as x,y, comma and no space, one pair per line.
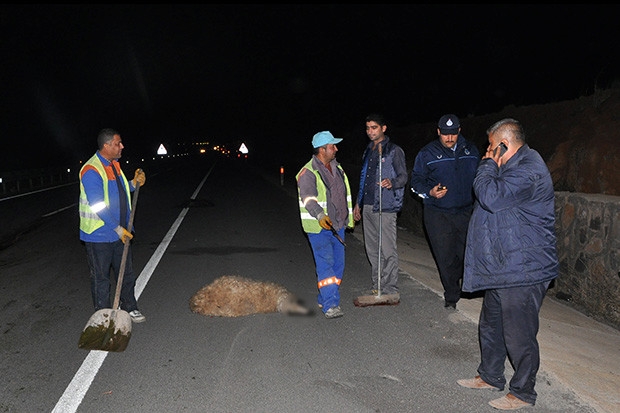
375,117
105,136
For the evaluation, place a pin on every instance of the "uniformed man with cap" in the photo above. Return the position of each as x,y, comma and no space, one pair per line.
443,175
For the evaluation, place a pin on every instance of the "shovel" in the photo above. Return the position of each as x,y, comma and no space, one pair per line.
109,329
336,234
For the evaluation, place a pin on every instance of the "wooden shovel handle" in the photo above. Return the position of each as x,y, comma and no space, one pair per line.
121,271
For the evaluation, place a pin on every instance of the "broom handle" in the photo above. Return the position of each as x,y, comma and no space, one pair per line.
380,221
121,271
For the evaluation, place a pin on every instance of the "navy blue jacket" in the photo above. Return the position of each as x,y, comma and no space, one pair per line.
454,169
511,237
393,167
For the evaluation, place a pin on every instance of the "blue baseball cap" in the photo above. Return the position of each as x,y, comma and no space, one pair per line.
324,138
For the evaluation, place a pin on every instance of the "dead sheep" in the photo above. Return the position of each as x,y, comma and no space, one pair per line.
235,296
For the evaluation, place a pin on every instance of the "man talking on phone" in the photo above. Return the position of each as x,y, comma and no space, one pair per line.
511,256
442,176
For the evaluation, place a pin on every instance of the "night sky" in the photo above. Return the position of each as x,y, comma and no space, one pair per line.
274,75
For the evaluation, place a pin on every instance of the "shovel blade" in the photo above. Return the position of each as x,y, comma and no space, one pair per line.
106,330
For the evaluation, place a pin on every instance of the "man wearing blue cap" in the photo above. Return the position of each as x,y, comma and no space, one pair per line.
326,210
443,175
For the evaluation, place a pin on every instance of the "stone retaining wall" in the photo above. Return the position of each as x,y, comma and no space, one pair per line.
588,233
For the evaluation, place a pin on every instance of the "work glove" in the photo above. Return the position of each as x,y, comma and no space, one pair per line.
123,234
139,178
325,222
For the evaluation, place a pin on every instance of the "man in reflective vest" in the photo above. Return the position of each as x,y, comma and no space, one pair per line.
326,210
104,208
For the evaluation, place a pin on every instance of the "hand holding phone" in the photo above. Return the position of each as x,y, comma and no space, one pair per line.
502,149
438,191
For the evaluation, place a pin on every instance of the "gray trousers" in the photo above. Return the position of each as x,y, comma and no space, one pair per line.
389,254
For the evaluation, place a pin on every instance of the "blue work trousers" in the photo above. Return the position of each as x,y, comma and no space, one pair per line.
329,260
508,327
103,256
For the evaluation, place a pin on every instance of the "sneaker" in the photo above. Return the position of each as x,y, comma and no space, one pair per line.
334,312
476,383
136,316
509,402
449,304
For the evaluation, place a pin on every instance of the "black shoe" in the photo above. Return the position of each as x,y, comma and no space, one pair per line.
449,304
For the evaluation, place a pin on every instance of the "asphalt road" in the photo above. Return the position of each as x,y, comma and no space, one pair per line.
195,221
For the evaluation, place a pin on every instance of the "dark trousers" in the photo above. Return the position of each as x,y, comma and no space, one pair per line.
508,327
103,256
447,234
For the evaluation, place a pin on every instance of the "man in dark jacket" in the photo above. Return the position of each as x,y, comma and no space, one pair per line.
380,198
511,255
443,174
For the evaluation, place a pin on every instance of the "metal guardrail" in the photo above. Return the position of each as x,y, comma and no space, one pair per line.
23,181
28,180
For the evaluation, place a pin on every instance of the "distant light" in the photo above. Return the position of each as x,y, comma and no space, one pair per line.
243,148
68,169
162,150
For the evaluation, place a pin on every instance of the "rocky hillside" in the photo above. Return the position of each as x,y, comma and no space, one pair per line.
576,138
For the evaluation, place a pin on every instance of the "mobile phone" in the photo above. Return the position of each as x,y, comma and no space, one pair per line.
502,148
441,187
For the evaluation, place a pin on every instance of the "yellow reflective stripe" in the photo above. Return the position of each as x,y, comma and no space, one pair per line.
83,202
98,206
88,215
329,281
310,198
322,204
89,220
